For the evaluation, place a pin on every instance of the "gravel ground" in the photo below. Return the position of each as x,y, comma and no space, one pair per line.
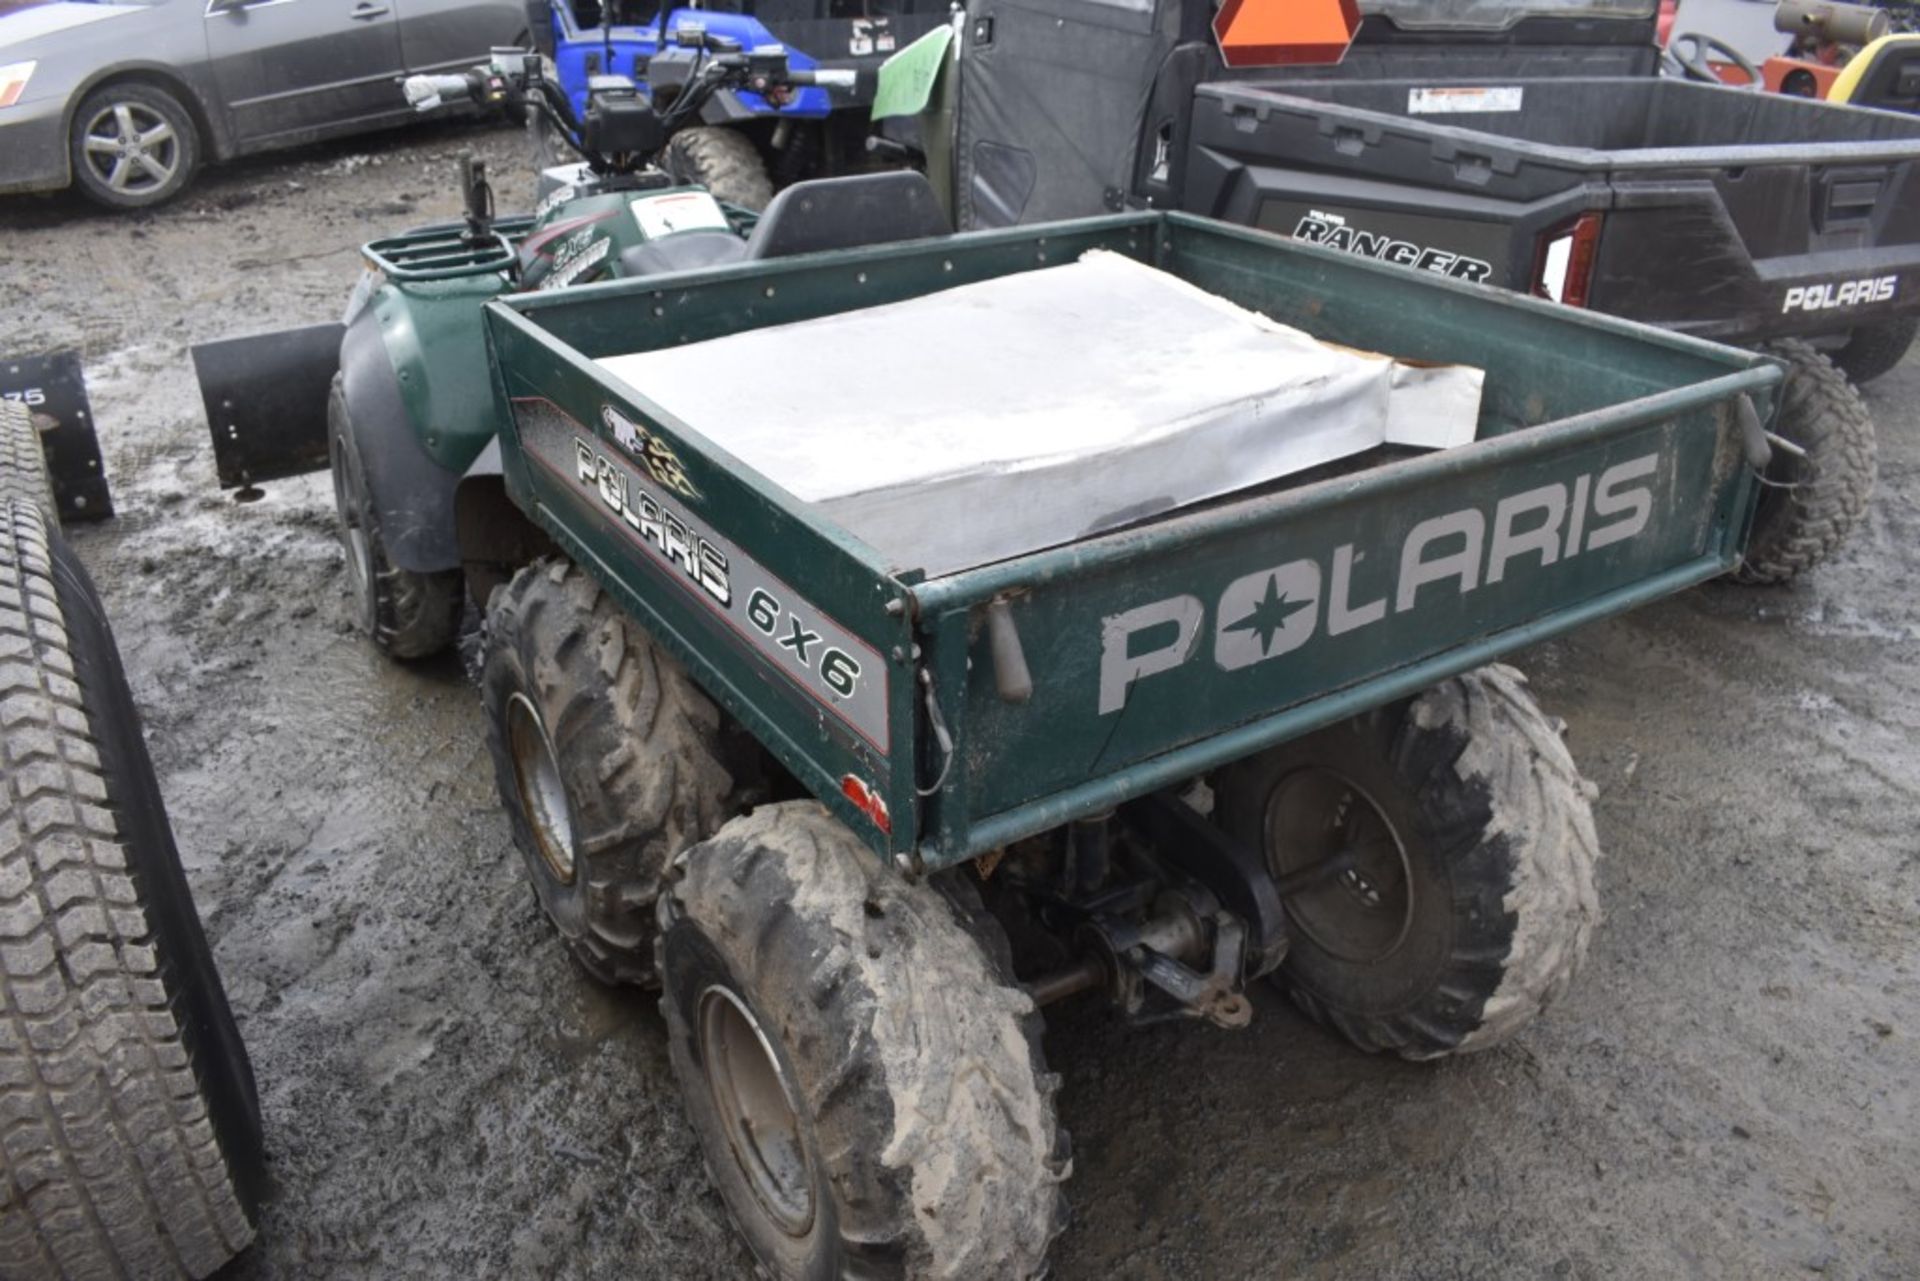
1729,1091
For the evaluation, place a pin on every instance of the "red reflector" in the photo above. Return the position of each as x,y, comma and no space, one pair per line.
867,801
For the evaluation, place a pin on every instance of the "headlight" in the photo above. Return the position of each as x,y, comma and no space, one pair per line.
13,81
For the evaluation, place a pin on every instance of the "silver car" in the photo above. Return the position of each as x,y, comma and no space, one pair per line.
126,99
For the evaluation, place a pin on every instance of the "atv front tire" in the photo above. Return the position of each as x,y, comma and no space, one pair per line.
132,1140
722,160
409,614
1811,505
608,758
1873,351
1471,897
864,1075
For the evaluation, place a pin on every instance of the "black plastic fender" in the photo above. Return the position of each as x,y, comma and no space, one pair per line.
412,494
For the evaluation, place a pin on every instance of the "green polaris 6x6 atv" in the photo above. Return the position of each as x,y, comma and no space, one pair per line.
858,809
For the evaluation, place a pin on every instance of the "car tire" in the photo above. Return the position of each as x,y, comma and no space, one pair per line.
133,1144
609,759
409,614
1810,505
722,160
863,1073
132,145
1873,351
1475,901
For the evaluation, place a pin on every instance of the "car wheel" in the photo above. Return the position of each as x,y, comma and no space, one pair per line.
133,145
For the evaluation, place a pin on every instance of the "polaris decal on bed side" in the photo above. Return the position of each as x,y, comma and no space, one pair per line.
1852,293
649,450
763,615
1333,231
1261,616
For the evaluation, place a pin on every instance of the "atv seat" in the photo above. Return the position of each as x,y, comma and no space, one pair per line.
824,213
841,213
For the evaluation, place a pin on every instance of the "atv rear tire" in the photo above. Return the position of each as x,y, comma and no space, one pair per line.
863,1073
608,757
132,1144
1472,900
1811,505
23,462
409,614
132,145
722,160
1876,350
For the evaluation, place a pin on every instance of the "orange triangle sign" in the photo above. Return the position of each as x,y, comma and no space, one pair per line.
1279,33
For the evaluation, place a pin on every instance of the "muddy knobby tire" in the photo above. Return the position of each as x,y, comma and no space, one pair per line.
1810,506
129,1127
1497,836
23,462
722,160
909,1057
1874,351
648,765
409,613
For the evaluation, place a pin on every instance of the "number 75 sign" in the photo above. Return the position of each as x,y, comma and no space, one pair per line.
1279,33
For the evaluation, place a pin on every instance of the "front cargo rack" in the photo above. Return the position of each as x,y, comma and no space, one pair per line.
441,251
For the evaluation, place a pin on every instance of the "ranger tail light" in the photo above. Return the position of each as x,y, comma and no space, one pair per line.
1563,265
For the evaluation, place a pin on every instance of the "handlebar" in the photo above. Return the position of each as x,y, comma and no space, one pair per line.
424,93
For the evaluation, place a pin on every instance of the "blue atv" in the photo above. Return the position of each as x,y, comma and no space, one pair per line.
744,146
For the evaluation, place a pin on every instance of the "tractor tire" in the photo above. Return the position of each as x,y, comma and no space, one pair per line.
1472,901
23,462
1811,505
132,1124
609,759
722,160
1875,350
408,614
863,1073
132,145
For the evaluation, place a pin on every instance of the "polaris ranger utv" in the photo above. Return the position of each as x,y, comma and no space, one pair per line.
859,809
1529,144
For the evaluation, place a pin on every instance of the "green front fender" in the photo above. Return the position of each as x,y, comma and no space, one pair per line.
433,336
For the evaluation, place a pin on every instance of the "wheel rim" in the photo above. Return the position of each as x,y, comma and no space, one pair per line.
543,797
353,534
1363,913
755,1103
131,148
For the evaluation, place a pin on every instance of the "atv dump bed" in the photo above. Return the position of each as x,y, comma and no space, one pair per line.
1733,215
942,718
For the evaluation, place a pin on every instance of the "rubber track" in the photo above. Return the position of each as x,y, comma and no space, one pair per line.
23,467
110,1161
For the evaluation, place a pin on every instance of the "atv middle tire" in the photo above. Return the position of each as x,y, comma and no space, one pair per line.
722,160
132,1144
23,462
1811,505
608,757
1876,350
1470,898
863,1073
409,614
